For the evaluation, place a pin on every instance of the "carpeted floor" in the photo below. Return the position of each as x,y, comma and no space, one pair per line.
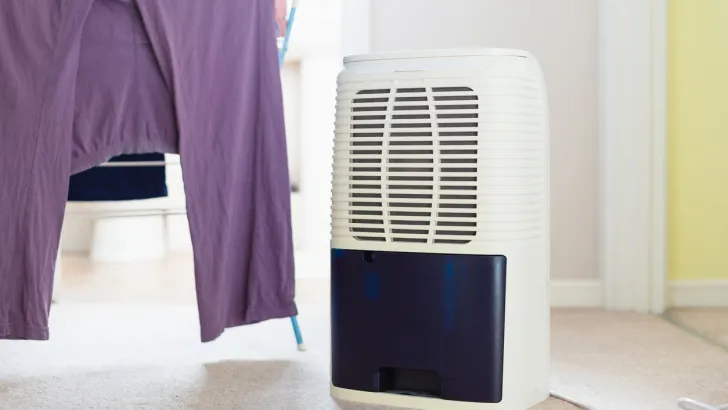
146,355
710,323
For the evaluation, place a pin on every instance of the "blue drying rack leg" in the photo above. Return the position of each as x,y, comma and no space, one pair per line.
297,332
281,58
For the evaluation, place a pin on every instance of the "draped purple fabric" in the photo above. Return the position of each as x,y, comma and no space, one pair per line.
82,81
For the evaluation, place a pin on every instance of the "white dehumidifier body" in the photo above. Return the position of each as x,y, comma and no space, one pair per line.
440,231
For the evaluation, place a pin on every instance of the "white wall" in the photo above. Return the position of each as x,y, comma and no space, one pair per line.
291,81
563,35
316,45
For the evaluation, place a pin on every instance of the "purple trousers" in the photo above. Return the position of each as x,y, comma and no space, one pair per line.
82,81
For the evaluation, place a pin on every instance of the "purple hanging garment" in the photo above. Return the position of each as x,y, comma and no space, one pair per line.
85,80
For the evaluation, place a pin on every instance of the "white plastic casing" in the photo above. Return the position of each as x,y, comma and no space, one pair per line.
447,151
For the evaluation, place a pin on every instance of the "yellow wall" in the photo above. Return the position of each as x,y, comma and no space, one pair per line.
698,139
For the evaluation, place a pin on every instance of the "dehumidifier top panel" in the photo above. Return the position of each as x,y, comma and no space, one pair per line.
437,53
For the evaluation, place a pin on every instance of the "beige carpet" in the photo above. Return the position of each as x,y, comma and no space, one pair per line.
710,323
146,355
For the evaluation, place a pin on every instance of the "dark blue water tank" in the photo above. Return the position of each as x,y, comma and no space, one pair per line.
418,324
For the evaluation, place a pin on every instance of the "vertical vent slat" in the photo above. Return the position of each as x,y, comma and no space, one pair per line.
416,166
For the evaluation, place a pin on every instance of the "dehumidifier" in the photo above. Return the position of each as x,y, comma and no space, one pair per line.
440,220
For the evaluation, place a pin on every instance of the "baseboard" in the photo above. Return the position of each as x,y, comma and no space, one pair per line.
571,293
698,293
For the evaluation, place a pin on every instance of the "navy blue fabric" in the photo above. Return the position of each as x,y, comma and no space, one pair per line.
120,183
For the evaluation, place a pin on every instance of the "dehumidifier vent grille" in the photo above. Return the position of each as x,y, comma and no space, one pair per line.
413,165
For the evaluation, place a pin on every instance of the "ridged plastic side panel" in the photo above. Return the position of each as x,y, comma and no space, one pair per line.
444,157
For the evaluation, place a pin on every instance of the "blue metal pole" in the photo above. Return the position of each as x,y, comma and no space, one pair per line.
281,58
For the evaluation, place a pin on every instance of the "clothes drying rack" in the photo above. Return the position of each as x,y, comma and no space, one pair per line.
168,211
